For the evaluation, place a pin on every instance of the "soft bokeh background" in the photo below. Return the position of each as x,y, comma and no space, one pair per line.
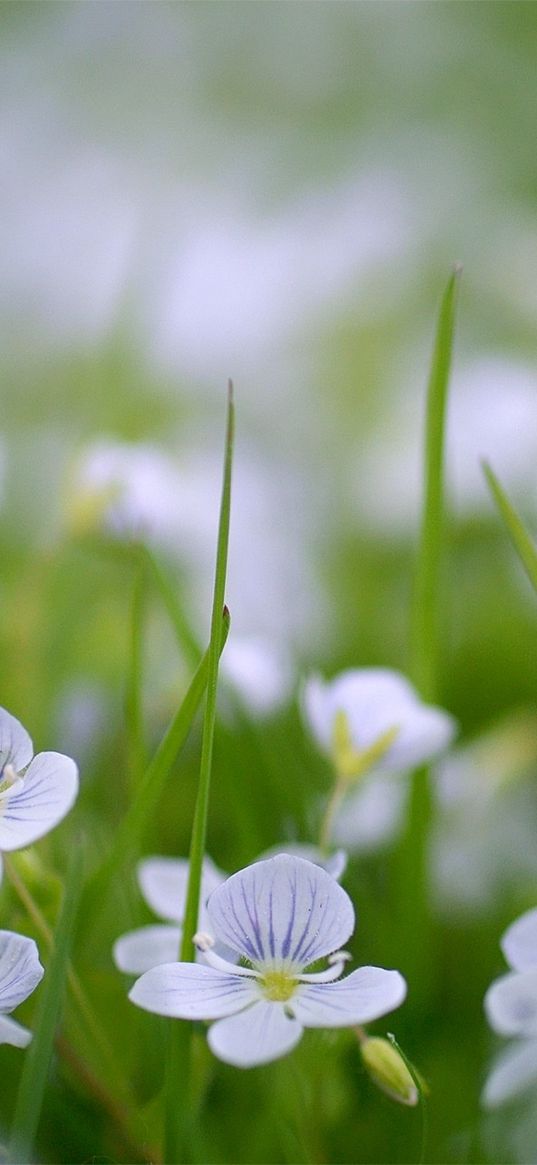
276,192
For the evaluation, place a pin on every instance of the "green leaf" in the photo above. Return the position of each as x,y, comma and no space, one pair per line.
34,1074
522,541
427,591
179,1046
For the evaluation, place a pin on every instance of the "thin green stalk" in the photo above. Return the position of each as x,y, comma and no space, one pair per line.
179,1042
134,687
147,796
427,589
36,1065
522,541
413,876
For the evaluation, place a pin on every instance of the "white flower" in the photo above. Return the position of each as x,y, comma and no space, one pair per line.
372,813
164,883
371,718
34,793
280,916
20,972
511,1008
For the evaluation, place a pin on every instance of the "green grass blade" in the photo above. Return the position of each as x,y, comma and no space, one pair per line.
412,876
180,1035
34,1074
522,541
427,591
133,693
143,805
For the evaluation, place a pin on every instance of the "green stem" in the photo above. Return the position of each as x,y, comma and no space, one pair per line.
521,540
36,1065
338,793
86,1010
179,1040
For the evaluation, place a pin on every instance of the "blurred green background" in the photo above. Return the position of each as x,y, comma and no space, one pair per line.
273,192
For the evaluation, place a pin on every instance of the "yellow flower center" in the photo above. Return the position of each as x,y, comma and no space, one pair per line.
278,986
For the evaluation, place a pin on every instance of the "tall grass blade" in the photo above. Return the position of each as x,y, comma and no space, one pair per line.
179,1050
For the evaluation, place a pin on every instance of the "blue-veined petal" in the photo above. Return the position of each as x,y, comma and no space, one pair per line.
334,863
519,943
262,1033
15,744
284,908
49,789
20,969
359,998
192,991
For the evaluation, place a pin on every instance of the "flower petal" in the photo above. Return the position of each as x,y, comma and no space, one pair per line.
20,969
49,789
372,812
511,1004
519,943
359,998
192,991
513,1071
149,946
335,863
13,1033
258,1035
284,908
163,882
16,747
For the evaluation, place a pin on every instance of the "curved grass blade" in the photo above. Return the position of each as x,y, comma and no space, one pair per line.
522,541
149,791
34,1074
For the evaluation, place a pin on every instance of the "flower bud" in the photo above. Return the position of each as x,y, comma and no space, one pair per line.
388,1070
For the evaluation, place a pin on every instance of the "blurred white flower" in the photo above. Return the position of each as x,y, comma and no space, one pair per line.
372,718
511,1008
372,813
260,672
280,916
20,972
35,794
133,491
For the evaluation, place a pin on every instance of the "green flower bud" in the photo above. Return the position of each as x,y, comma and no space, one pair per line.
388,1070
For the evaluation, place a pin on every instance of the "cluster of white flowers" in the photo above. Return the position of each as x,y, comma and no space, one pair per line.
35,794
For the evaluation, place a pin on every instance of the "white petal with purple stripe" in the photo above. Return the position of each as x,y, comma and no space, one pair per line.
359,998
190,991
37,803
284,909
